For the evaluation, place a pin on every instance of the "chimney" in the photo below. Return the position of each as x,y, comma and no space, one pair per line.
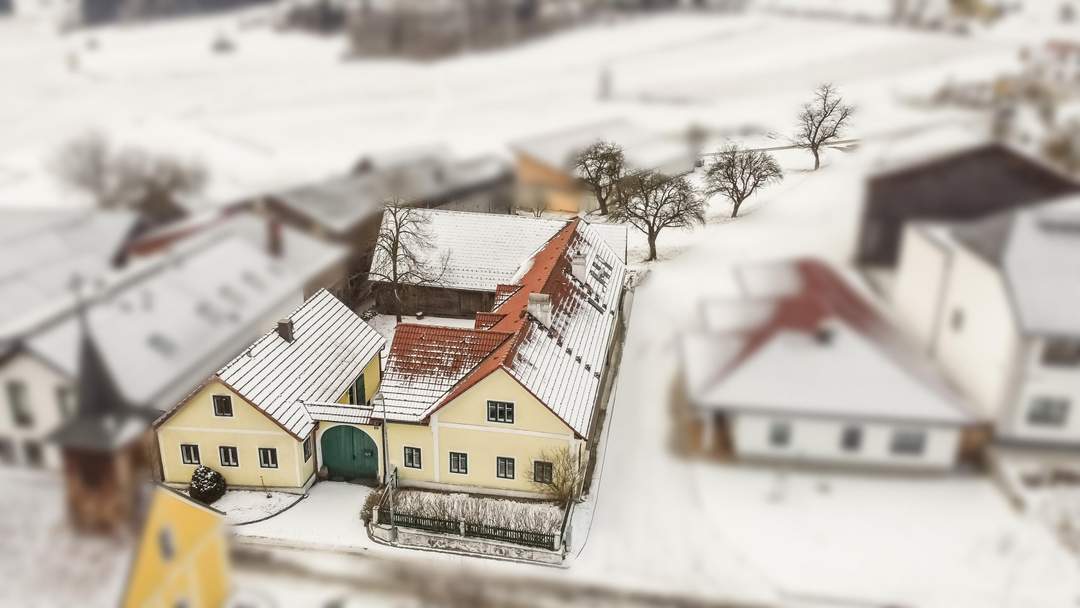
823,335
578,268
274,244
285,329
540,308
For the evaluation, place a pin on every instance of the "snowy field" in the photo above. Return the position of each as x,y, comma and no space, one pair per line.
286,107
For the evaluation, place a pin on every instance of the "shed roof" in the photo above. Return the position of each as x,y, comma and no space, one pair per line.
331,346
485,250
642,149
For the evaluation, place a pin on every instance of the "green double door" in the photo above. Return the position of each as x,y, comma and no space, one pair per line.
349,453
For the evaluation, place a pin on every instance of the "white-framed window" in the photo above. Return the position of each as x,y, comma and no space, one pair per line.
851,438
1048,411
357,392
268,458
908,442
189,453
459,463
504,467
223,405
500,411
779,434
228,456
412,458
543,472
33,454
65,400
7,451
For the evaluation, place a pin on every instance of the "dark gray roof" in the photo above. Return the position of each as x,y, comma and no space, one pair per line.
967,185
1038,253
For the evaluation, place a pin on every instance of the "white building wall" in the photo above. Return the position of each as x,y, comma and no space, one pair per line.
920,276
978,342
1041,380
819,440
43,385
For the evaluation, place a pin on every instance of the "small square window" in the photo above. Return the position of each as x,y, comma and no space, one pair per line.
20,407
227,455
66,401
908,443
189,453
779,434
166,544
504,467
357,392
851,439
543,472
1048,411
309,447
268,458
500,411
459,463
412,458
223,405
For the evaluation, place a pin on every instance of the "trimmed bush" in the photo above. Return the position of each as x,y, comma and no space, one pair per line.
368,509
207,485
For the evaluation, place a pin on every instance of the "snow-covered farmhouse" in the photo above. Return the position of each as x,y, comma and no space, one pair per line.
960,186
475,267
544,163
161,322
997,303
800,367
491,408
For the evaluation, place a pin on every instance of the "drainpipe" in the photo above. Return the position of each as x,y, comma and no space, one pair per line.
386,466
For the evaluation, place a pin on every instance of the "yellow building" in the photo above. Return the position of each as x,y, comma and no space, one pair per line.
253,420
490,408
181,558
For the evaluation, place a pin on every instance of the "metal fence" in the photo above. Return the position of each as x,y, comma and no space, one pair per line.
445,526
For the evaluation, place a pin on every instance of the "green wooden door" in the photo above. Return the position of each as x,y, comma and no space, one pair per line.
349,453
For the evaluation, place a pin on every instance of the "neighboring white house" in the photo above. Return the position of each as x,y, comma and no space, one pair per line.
163,324
997,303
800,367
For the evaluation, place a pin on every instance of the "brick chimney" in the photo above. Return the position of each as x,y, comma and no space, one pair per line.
540,308
285,330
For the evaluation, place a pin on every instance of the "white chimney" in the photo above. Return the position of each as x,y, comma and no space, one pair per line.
540,308
578,268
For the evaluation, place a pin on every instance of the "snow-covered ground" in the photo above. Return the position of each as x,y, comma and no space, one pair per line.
328,517
245,506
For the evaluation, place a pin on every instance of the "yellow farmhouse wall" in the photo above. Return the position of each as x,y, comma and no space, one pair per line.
462,426
248,429
197,573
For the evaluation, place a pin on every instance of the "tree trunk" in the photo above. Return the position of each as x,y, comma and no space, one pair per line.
603,205
817,158
652,248
735,208
397,303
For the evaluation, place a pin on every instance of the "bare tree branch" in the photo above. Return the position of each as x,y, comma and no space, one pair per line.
400,248
737,174
651,201
822,120
601,166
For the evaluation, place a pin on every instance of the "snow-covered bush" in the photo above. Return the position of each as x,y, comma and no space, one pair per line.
543,517
207,485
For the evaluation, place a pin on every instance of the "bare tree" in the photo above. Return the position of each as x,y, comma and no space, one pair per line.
601,166
651,201
823,120
400,249
128,178
567,474
737,174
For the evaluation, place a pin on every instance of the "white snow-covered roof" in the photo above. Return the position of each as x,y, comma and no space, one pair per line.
330,347
848,375
642,149
486,250
339,412
40,252
176,319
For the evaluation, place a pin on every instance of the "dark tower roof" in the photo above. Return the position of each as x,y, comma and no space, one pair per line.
104,419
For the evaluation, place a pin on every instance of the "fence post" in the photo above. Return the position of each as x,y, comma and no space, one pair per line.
461,527
375,515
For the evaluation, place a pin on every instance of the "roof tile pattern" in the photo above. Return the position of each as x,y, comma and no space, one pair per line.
330,348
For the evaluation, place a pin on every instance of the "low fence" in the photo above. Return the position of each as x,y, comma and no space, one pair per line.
539,540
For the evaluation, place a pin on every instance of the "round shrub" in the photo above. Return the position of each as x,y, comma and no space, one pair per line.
207,485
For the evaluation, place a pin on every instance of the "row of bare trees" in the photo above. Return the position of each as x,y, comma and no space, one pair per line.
652,201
